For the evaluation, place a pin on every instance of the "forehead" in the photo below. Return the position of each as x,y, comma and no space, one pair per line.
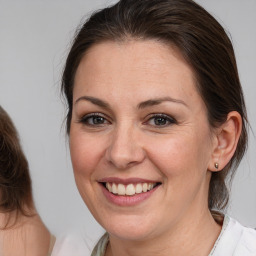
135,67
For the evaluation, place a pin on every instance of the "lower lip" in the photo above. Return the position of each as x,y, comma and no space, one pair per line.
127,200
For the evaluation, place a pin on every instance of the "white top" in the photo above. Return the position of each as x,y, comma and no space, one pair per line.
234,240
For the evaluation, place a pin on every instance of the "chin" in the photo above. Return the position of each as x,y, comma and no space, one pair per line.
129,228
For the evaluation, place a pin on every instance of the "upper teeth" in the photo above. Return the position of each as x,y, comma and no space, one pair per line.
130,189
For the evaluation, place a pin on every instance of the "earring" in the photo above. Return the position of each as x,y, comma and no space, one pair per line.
216,165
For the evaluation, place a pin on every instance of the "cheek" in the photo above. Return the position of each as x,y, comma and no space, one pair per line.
85,153
180,155
170,155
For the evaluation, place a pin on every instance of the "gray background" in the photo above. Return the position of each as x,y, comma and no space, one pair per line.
35,36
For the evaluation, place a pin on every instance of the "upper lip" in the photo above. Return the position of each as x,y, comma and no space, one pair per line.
126,181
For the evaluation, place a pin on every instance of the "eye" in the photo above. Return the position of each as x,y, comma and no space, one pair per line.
94,119
160,120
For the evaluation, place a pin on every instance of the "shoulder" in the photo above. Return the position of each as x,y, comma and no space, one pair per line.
235,239
37,236
247,242
28,236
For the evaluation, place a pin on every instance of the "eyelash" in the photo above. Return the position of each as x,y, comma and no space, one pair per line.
85,119
167,119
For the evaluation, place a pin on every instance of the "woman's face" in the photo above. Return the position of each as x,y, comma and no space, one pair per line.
140,141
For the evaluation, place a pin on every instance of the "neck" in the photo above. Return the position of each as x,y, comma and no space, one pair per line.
15,219
179,241
25,235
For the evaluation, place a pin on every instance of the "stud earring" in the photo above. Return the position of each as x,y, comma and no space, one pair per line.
216,165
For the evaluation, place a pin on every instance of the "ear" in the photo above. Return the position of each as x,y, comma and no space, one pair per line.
226,141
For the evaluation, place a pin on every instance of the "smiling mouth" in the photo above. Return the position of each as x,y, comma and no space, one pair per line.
129,189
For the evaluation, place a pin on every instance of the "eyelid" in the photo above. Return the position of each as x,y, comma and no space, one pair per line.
169,118
93,114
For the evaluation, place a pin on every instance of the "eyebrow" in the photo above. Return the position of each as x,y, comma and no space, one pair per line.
95,101
157,101
144,104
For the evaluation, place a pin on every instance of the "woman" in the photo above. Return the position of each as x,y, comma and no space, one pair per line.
22,232
156,123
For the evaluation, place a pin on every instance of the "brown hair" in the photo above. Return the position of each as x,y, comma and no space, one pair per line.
203,43
15,183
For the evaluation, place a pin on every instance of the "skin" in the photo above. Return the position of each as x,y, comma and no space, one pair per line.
28,237
130,143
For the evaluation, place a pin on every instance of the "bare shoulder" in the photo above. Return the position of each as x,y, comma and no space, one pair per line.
28,237
37,237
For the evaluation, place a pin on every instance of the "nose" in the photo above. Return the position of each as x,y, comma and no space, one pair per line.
125,149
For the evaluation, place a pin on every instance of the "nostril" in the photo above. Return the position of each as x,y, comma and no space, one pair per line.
125,151
124,160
